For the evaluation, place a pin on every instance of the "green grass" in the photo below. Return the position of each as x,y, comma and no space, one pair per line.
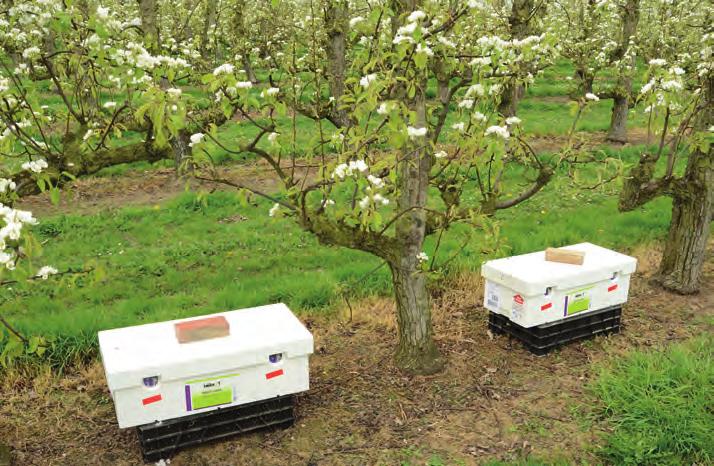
658,406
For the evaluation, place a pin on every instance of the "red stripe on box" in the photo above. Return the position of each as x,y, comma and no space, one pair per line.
151,399
612,288
270,375
545,307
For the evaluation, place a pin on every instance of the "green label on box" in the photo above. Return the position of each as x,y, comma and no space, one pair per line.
578,301
209,392
212,397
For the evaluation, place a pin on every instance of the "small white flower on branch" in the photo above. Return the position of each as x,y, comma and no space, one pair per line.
376,181
591,96
658,62
270,91
196,139
46,271
478,116
416,132
460,127
109,105
102,12
677,71
514,120
6,185
174,92
225,68
274,210
441,154
466,103
355,21
272,137
35,166
500,131
424,50
365,81
243,85
422,257
415,16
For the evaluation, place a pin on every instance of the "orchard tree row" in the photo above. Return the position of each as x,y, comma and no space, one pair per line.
413,104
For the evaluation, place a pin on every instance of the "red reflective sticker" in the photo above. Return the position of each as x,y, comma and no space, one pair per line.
612,288
270,375
518,299
151,399
545,307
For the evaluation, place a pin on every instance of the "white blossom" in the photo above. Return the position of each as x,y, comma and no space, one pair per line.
466,103
478,116
196,139
355,21
46,271
6,185
422,257
376,181
109,105
274,210
460,126
174,92
271,91
365,81
102,12
415,16
591,96
424,50
658,62
225,68
35,166
272,137
501,131
514,120
243,85
384,108
416,132
441,154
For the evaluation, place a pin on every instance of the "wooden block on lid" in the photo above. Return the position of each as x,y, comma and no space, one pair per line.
202,329
565,256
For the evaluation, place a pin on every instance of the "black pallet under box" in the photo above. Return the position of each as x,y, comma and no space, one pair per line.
162,440
541,339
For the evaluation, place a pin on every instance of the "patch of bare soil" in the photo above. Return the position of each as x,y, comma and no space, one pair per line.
94,194
494,400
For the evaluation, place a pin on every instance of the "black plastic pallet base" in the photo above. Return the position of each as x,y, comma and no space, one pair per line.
540,340
161,440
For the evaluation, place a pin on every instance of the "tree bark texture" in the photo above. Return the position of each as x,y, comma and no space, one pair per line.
623,88
692,210
519,25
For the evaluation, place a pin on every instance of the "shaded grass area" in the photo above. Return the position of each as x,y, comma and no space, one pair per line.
658,405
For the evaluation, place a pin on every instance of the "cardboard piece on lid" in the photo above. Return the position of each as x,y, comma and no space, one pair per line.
565,256
202,329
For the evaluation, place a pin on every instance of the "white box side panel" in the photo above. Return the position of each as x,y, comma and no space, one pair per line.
172,399
533,310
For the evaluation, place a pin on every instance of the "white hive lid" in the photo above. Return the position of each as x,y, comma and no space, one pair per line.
531,274
131,353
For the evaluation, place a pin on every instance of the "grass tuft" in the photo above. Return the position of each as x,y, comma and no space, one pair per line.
658,406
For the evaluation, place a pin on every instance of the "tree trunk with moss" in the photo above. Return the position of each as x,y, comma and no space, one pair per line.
692,208
692,211
336,22
626,58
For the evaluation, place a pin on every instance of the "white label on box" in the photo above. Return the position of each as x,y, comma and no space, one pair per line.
517,309
492,296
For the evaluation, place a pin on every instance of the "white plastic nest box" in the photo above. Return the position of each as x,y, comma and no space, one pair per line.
153,377
531,291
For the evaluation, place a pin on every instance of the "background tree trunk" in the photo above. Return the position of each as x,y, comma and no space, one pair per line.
519,25
209,21
692,210
149,12
623,89
336,22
